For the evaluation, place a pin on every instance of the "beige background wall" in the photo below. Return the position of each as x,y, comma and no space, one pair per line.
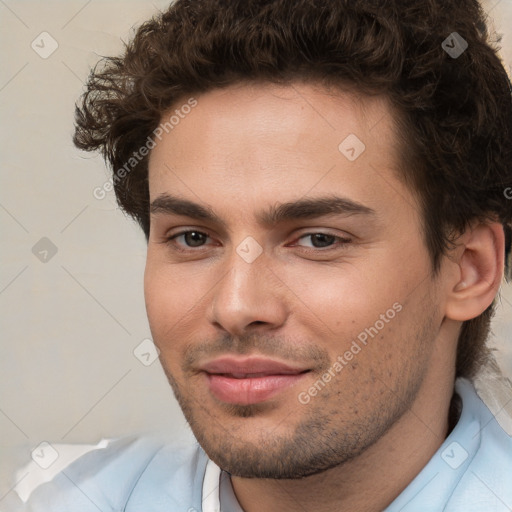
70,324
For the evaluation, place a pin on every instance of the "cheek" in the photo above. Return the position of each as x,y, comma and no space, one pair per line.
369,315
345,298
168,298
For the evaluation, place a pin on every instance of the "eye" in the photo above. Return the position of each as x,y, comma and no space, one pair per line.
190,238
323,240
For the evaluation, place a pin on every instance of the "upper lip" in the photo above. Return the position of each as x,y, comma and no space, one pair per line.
250,365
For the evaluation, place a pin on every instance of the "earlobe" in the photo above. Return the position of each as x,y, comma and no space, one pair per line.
480,265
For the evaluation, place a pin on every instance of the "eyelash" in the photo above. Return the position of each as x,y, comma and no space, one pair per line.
171,241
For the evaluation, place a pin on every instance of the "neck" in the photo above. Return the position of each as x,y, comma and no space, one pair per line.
371,481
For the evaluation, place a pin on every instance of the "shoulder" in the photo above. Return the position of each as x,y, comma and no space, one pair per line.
471,471
486,481
129,474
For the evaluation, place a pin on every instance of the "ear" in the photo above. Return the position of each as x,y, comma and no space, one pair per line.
478,271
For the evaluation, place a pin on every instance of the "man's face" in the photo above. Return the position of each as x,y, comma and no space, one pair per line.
296,322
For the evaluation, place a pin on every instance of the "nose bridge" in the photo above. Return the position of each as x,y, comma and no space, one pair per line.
247,295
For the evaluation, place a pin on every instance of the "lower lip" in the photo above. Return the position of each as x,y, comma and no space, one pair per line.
251,390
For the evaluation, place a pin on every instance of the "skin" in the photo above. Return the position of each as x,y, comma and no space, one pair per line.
354,445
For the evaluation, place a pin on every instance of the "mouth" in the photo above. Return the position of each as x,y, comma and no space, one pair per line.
250,380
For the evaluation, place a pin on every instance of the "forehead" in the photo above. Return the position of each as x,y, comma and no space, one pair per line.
251,144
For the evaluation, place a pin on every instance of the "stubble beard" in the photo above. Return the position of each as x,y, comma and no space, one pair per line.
348,416
321,440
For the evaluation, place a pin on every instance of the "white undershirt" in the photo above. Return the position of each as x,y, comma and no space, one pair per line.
211,488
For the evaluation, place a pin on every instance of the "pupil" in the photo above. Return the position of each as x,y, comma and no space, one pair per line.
322,239
194,239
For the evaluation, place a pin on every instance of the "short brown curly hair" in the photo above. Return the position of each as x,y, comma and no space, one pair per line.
454,113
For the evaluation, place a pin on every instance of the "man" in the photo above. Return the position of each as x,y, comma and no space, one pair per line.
324,187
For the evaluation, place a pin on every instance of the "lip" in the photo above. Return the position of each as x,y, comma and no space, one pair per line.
249,380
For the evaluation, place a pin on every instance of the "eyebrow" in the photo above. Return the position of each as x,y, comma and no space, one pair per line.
300,209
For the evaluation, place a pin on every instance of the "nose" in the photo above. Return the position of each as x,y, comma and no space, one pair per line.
249,297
